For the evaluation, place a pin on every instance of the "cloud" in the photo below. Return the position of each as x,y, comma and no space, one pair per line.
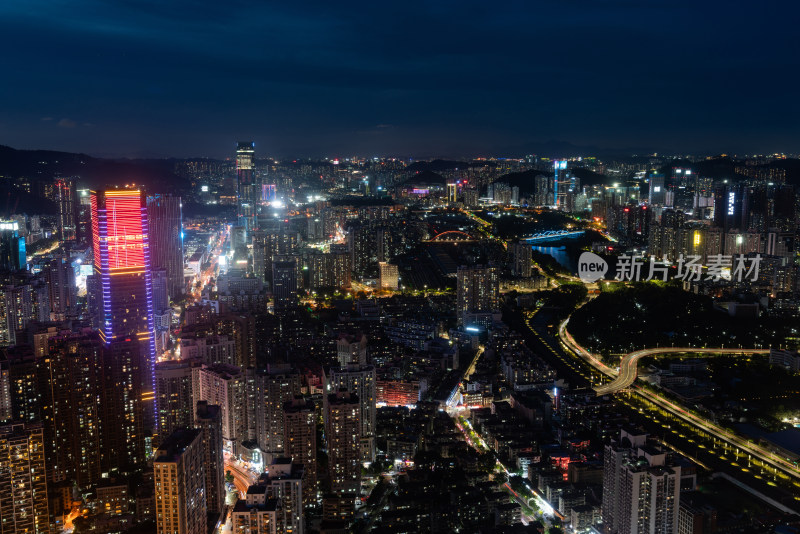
47,118
67,123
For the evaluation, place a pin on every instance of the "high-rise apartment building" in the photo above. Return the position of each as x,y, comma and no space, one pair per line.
257,513
225,386
179,475
60,278
478,291
209,422
164,215
284,284
73,417
274,388
285,483
174,395
23,486
359,381
641,487
343,433
522,259
300,442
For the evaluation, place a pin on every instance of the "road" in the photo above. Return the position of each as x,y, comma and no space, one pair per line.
242,478
761,453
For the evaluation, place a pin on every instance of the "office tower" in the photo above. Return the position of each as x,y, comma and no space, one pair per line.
285,483
389,276
245,179
164,215
67,199
658,191
641,487
225,386
125,404
209,421
522,259
300,442
174,394
73,416
268,193
284,284
257,513
239,242
452,192
23,487
343,434
360,381
12,247
60,279
180,480
274,388
123,285
478,291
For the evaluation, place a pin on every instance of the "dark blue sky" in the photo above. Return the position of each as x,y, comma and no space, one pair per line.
185,78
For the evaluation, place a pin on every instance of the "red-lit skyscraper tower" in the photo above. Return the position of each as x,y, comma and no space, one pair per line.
123,282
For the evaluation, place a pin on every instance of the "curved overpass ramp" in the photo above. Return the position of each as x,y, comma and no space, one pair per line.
628,366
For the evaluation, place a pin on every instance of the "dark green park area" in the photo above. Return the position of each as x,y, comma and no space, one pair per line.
647,314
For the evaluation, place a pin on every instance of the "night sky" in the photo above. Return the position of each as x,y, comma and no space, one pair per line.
190,78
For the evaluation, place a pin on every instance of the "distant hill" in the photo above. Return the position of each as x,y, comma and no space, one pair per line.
589,177
525,180
424,178
437,165
43,165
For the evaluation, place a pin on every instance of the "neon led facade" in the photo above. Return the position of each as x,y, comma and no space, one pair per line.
122,266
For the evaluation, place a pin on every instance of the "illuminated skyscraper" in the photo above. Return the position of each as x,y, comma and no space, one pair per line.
12,247
123,282
247,192
166,245
561,183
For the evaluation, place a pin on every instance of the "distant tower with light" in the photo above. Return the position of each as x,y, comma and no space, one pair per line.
561,183
245,178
